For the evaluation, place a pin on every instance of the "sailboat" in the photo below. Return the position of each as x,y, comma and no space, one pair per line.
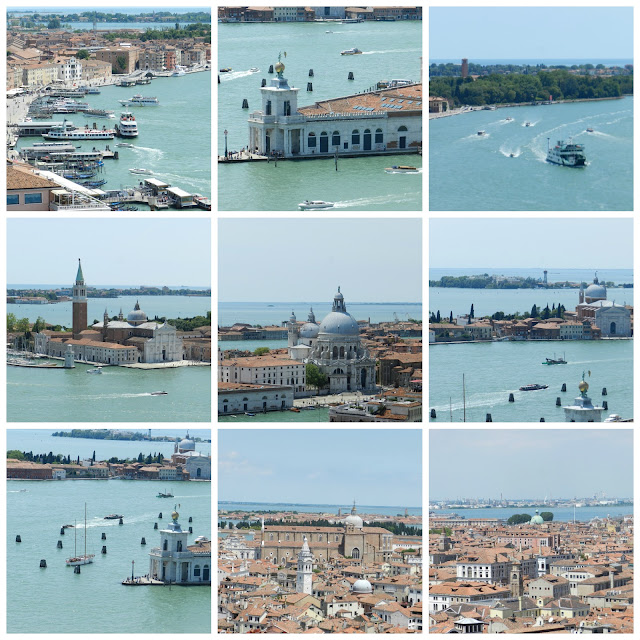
84,559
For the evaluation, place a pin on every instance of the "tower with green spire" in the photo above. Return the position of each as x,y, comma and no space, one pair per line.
79,303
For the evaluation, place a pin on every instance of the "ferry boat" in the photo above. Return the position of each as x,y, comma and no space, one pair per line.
567,155
64,133
402,169
146,172
534,387
127,126
554,360
315,204
350,52
140,101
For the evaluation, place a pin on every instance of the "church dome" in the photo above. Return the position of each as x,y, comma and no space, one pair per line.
596,291
339,322
187,444
309,330
356,521
537,519
362,586
137,315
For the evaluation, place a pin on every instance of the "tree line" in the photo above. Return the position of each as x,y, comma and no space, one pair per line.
516,88
536,312
483,282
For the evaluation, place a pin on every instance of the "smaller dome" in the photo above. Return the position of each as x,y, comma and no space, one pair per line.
355,520
537,519
362,586
309,330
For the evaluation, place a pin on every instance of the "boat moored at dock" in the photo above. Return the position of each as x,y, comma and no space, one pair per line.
127,127
64,133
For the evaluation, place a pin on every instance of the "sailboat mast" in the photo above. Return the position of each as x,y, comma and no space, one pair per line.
85,530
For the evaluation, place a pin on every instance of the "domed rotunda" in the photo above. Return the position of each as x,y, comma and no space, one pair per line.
354,519
537,519
362,586
137,316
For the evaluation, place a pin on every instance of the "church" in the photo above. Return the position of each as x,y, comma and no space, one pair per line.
613,320
374,123
197,464
349,538
111,341
335,347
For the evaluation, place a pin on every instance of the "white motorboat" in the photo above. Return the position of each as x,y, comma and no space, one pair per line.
350,52
96,370
509,119
482,133
402,169
315,204
124,144
140,101
179,71
254,70
146,172
527,124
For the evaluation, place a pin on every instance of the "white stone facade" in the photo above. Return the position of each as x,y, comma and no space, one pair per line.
253,400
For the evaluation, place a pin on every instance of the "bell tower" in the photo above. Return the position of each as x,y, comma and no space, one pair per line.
515,581
304,572
79,304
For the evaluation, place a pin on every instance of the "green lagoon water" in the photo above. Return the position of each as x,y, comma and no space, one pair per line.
493,370
174,139
55,600
494,181
390,50
318,415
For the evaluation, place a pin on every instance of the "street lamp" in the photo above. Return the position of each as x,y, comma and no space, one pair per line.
226,153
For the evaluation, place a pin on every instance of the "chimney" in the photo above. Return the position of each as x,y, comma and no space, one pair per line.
610,579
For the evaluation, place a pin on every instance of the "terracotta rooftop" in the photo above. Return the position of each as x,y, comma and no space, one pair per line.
22,178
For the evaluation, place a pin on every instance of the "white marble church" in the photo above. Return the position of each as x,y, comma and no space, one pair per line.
614,320
334,346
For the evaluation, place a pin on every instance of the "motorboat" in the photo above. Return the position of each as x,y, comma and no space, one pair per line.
295,409
166,494
482,133
402,169
315,204
202,201
614,417
140,101
96,370
534,387
146,172
512,155
248,413
159,393
554,360
328,31
567,155
350,52
113,516
124,144
509,119
254,70
127,127
527,124
226,70
589,129
179,71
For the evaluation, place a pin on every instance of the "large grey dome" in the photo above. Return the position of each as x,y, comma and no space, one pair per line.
339,322
137,315
596,292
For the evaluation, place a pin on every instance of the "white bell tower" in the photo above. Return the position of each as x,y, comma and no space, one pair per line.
304,572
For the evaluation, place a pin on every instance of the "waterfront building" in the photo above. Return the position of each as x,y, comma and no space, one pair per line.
372,123
70,70
174,561
253,398
196,464
123,60
612,319
335,347
270,369
27,191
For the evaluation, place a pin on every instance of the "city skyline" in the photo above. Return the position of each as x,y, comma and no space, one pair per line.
532,462
503,243
522,33
313,257
376,467
114,252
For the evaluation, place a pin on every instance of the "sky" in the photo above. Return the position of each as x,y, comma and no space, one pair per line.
288,259
114,251
541,33
530,463
371,466
564,243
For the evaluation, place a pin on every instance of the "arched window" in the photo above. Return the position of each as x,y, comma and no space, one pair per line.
355,554
612,328
402,128
355,137
342,352
311,141
324,142
335,353
378,138
335,138
286,536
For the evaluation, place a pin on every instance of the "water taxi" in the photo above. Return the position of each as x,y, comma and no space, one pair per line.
96,370
402,169
350,52
315,204
146,172
124,144
113,516
226,70
589,129
534,387
482,133
254,70
159,393
527,124
140,101
567,155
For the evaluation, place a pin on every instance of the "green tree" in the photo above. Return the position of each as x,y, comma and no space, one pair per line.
11,321
15,454
547,516
534,311
23,325
315,377
54,23
260,351
119,67
40,325
471,315
451,317
519,518
83,54
438,316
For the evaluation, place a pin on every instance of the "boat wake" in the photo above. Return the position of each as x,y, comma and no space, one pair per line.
362,202
368,53
234,75
509,152
476,401
408,173
157,154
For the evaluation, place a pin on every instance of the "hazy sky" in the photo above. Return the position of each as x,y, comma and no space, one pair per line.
288,259
569,243
330,466
149,251
530,463
541,33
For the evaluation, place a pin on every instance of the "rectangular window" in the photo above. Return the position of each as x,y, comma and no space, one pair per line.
13,199
33,198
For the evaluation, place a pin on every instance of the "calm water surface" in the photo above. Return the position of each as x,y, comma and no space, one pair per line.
57,600
560,514
495,181
390,50
118,395
493,370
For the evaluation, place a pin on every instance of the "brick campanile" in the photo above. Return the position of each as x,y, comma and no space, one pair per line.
79,303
